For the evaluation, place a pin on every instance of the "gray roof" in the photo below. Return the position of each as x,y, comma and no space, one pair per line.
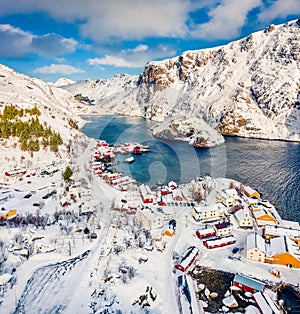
254,240
249,282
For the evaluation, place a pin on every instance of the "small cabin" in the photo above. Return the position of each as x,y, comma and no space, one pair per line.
248,284
146,194
205,233
64,202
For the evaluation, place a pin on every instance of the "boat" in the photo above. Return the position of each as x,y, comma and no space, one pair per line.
137,150
129,160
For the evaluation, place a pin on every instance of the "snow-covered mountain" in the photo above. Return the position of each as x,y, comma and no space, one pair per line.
250,87
63,81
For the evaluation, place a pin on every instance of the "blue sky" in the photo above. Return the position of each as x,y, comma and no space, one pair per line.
95,39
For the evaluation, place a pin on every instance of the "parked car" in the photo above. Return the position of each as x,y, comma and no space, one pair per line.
28,195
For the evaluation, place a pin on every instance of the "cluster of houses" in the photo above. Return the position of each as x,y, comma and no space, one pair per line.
101,164
270,239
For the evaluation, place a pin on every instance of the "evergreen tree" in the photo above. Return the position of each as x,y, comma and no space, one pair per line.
67,174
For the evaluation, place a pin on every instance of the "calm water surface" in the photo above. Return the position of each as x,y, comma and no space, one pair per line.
272,167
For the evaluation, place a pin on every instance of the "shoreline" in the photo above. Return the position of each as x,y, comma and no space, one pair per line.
184,139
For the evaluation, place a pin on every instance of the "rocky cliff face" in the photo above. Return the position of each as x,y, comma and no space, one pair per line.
250,87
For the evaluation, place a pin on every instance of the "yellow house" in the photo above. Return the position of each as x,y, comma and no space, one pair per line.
227,197
7,214
255,248
283,251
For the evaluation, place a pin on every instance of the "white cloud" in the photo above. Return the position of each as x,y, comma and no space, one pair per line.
133,58
15,43
58,69
226,19
114,61
139,48
111,20
279,8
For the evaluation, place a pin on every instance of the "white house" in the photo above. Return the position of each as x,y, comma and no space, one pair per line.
223,229
243,219
227,197
214,211
277,231
255,248
151,220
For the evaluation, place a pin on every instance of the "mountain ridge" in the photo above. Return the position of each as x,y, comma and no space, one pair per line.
249,87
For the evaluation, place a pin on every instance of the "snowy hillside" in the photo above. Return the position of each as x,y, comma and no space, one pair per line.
249,87
113,95
59,111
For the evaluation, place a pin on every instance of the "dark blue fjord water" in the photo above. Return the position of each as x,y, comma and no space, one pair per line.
272,167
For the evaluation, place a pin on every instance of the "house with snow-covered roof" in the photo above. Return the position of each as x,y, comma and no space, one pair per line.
223,229
271,232
263,217
226,198
8,214
255,248
248,284
151,220
250,192
243,219
146,194
265,303
283,251
211,212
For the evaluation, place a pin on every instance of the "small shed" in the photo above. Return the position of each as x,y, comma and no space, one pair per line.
248,284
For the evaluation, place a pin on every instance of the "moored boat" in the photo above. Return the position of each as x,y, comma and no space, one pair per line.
129,160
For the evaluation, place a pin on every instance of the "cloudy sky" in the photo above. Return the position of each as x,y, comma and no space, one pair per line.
95,39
